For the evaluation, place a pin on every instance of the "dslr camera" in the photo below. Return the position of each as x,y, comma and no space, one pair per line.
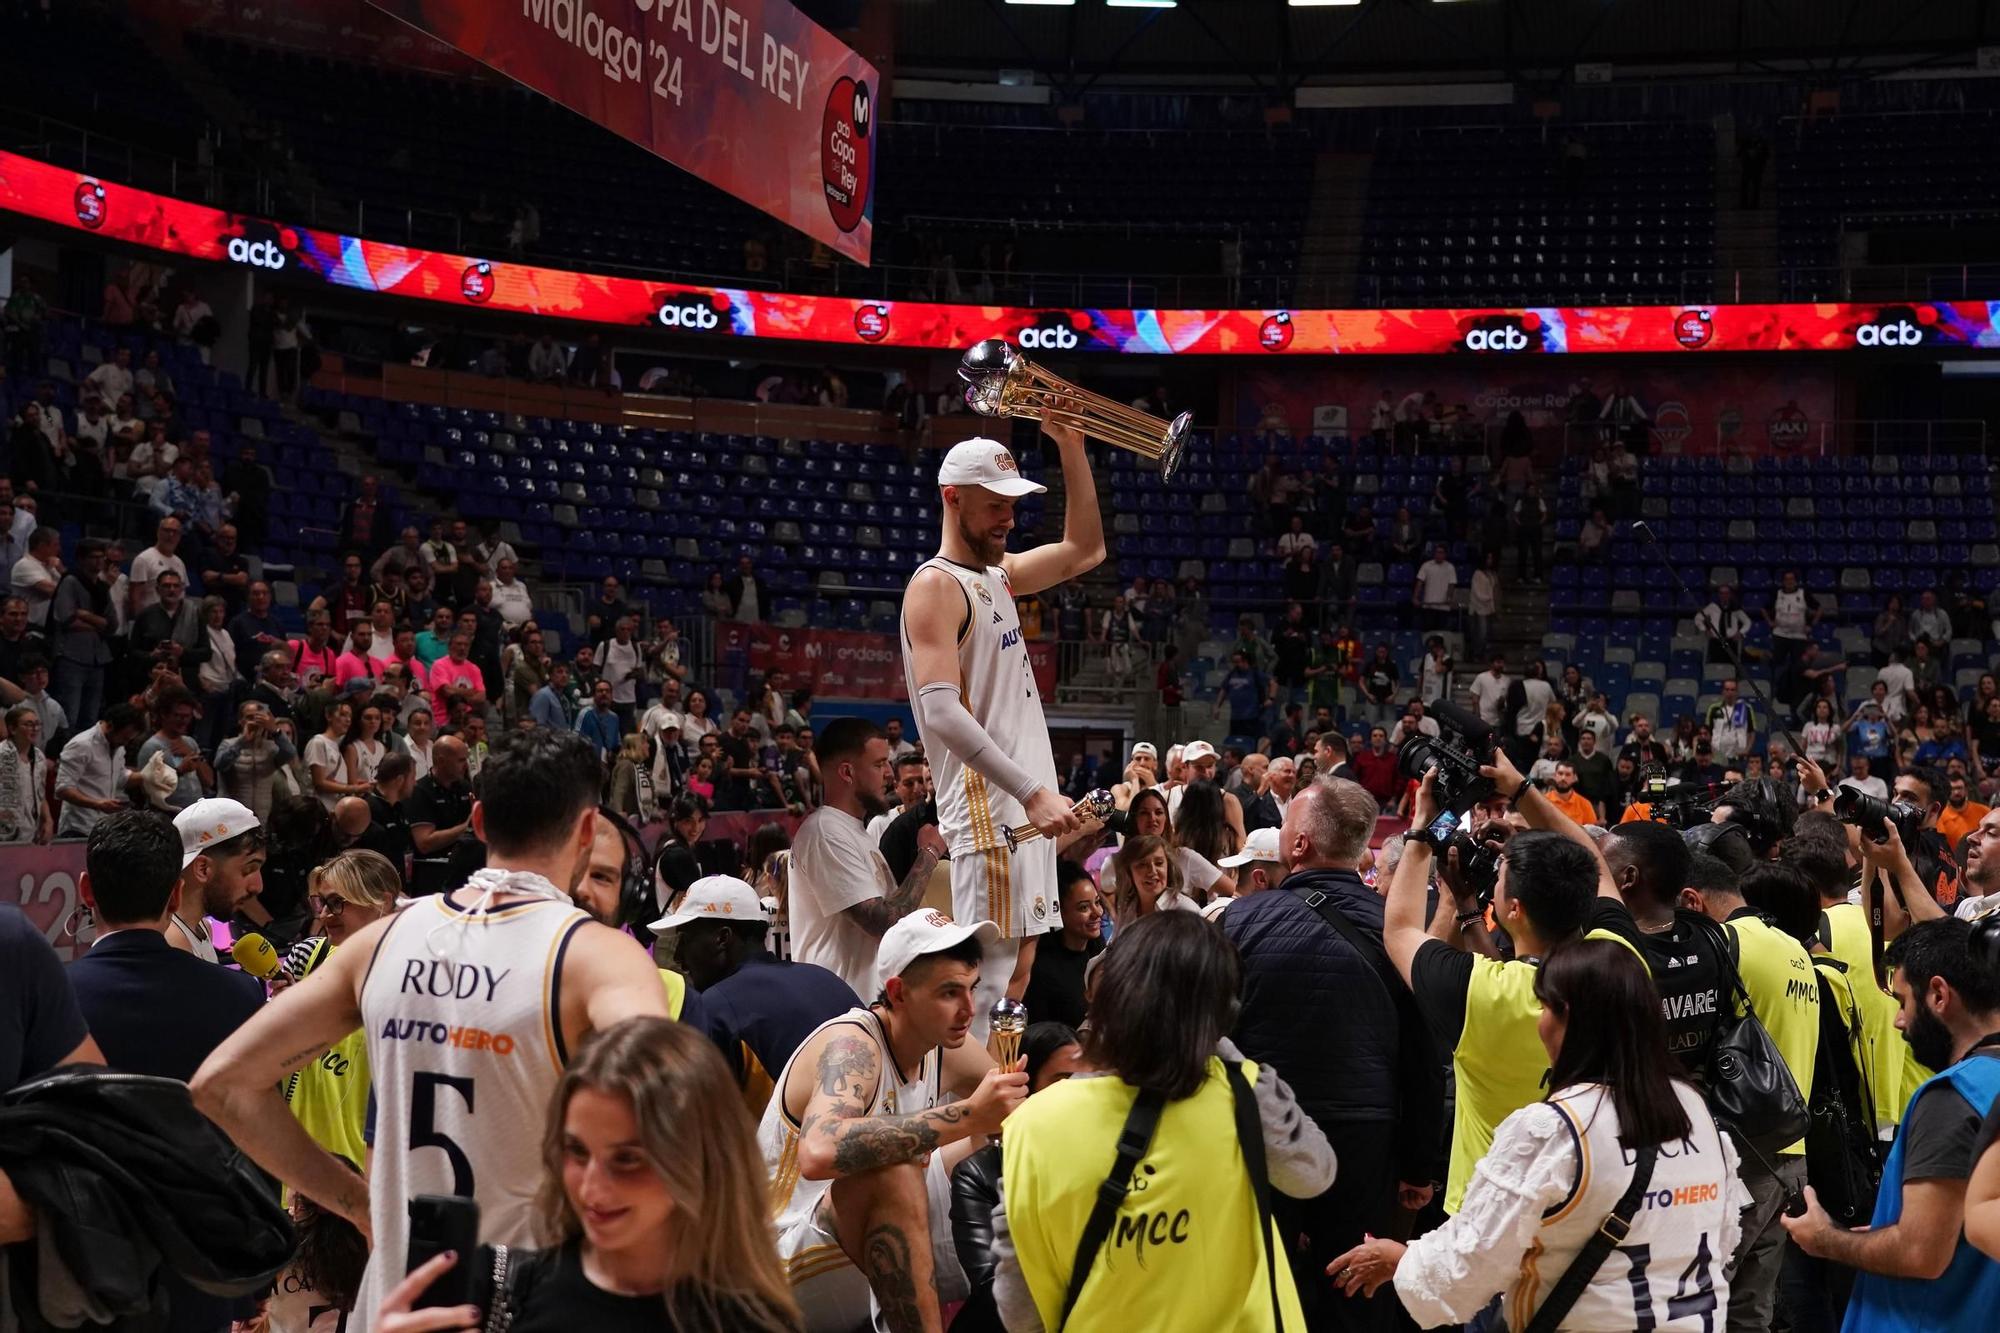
1874,817
1462,744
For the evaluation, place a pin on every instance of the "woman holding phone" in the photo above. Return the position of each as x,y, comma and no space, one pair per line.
653,1205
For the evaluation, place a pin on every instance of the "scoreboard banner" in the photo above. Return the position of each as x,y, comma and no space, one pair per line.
300,254
750,95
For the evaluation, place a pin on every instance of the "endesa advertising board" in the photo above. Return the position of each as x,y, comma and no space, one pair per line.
750,95
195,231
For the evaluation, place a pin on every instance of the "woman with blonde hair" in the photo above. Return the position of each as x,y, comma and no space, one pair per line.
329,1097
653,1203
1147,880
631,793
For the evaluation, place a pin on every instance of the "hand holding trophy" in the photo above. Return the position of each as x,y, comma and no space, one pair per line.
1010,1020
1000,382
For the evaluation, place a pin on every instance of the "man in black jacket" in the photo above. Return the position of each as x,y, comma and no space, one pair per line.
152,1008
1318,1004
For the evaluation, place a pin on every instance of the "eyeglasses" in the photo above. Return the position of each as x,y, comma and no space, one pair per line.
327,904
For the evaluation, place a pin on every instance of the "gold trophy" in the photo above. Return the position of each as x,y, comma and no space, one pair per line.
1010,1019
1000,382
1095,805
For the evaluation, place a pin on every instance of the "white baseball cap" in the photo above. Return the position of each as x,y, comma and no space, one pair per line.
669,721
716,898
982,462
1261,845
924,932
1197,752
1145,748
210,822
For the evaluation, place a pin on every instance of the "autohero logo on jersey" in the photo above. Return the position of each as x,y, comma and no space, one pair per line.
1897,326
1503,333
682,311
1052,331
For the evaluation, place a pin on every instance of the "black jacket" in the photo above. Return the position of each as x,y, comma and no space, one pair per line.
130,1183
155,1009
975,1193
1323,1016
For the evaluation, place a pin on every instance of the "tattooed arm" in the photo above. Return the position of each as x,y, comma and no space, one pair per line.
876,915
238,1087
837,1136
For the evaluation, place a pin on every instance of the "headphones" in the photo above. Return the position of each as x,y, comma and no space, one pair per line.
636,905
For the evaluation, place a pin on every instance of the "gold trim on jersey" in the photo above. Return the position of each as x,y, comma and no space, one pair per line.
999,880
1582,1165
815,1261
786,1178
1527,1293
549,1018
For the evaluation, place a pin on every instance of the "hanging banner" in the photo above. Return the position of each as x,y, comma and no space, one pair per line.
750,95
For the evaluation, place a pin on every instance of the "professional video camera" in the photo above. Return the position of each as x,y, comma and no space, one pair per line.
1683,806
1874,817
1462,744
1479,862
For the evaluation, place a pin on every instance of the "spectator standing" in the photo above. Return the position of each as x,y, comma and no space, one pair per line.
1793,615
1310,949
1482,604
511,597
1531,516
621,663
1916,1268
25,813
252,766
1727,624
745,592
1167,999
1930,622
1615,1098
173,710
842,897
153,1009
81,615
1437,579
440,813
35,575
150,563
261,333
599,723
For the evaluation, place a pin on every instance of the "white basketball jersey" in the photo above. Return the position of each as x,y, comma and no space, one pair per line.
998,685
1669,1272
463,1021
793,1200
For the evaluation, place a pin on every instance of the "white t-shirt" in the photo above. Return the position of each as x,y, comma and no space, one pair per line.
1489,692
834,865
147,567
620,664
1898,680
1436,579
321,751
512,601
1873,786
1537,695
29,571
1293,542
1788,613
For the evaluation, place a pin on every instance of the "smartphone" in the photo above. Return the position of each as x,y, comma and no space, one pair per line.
441,1223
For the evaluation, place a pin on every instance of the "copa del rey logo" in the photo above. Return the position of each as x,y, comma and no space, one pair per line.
1004,461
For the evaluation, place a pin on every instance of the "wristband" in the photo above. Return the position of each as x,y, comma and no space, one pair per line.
1520,791
1467,918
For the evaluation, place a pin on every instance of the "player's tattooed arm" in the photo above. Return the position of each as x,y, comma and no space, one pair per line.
837,1136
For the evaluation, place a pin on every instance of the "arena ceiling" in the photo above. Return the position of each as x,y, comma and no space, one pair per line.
1269,44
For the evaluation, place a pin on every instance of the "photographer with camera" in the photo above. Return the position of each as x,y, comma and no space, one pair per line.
1917,1269
1481,1008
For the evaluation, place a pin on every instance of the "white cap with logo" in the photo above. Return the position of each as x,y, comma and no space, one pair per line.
924,932
1261,845
982,462
210,822
1146,749
722,898
1197,752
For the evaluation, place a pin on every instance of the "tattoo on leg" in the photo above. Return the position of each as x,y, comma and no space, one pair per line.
886,1264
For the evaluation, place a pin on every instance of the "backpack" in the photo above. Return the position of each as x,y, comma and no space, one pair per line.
1843,1154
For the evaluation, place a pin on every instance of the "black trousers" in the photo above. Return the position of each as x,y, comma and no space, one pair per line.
1361,1202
